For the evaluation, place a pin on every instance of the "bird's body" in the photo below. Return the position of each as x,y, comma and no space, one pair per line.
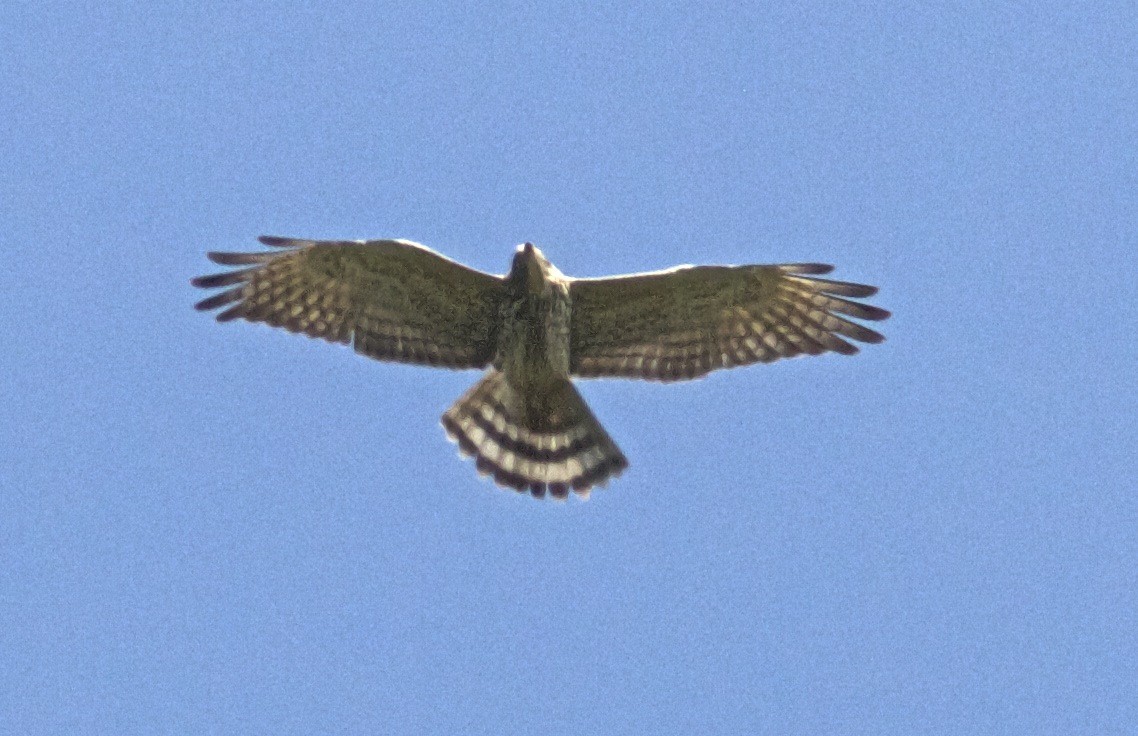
535,329
533,338
525,422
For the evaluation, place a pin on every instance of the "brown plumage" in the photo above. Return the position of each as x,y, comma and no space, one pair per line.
535,329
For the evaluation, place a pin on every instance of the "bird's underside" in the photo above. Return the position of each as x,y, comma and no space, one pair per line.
534,330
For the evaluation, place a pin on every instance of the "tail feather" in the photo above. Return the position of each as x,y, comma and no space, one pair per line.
547,442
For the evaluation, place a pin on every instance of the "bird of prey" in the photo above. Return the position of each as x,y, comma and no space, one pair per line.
535,329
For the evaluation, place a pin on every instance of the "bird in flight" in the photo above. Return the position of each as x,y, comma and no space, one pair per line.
534,330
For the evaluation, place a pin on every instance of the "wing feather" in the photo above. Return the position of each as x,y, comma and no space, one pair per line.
391,299
687,321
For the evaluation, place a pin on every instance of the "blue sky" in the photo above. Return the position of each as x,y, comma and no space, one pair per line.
228,529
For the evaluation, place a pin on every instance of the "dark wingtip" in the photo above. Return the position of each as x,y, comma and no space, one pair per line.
874,313
840,346
239,259
276,241
232,313
833,288
877,313
219,300
213,281
872,337
812,269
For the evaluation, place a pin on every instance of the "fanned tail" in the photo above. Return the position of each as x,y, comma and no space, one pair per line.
547,441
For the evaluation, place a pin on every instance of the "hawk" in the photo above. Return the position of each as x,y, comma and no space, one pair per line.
534,330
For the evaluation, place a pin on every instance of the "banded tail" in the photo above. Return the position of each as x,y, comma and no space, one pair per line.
547,441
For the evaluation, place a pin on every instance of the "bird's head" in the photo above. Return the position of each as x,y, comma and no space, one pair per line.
530,268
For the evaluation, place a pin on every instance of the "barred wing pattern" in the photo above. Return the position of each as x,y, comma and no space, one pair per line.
391,299
684,322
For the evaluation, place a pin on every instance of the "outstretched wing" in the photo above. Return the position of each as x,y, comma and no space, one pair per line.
684,322
391,299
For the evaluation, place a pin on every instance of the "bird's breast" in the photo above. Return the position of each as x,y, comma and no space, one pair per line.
533,339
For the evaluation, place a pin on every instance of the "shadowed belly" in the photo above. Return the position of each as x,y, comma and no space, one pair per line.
533,344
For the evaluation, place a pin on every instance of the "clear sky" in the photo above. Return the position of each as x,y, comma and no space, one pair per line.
226,529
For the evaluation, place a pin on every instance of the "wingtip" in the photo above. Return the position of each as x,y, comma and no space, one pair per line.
811,269
872,337
219,300
217,280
